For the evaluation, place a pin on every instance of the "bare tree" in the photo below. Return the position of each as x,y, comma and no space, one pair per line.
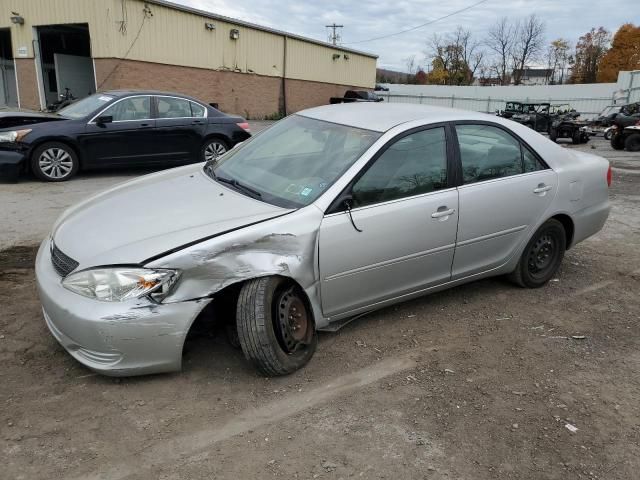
501,40
528,45
557,59
455,57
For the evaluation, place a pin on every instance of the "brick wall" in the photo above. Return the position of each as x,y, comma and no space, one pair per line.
249,95
27,83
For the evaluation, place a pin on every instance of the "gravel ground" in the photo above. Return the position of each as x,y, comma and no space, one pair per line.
484,381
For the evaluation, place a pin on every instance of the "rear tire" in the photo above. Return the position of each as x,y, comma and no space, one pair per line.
607,135
275,326
542,256
54,162
632,143
617,142
212,148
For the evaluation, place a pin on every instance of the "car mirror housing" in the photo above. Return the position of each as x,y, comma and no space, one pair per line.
101,120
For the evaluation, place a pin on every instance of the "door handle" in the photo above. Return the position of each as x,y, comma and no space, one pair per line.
443,212
145,125
542,188
196,122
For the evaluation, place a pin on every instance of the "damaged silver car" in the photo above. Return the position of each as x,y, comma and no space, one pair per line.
330,213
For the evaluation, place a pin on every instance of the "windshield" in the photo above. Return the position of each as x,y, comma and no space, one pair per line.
84,107
293,162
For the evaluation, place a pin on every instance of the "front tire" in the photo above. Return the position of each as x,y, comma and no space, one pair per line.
542,256
212,149
275,326
54,162
607,135
617,141
632,143
553,134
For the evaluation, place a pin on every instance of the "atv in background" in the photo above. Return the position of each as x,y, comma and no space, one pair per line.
510,109
604,121
570,126
535,116
626,132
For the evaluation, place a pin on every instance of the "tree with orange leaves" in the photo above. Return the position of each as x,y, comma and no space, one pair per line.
624,53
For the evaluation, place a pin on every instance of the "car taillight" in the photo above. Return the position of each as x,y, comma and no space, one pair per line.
609,176
244,126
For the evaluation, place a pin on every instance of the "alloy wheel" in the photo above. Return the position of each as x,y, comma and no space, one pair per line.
214,150
55,163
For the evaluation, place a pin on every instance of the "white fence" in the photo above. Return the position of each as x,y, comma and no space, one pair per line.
588,99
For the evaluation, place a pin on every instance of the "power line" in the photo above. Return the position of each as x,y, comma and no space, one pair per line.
419,26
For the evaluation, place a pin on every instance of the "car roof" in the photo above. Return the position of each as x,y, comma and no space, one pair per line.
127,93
382,116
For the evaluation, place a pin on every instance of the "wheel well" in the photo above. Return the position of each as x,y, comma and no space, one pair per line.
222,309
219,136
50,140
569,228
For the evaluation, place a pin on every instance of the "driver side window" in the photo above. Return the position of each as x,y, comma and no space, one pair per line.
413,165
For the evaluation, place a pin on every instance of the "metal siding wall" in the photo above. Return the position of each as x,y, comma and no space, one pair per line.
308,61
180,38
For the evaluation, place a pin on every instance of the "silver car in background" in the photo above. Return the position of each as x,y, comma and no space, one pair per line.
331,212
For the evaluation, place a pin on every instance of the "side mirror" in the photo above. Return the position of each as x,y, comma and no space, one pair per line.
101,120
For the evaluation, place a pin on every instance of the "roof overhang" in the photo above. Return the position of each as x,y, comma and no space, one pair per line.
215,16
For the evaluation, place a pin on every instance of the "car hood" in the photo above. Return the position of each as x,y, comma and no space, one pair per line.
152,215
12,119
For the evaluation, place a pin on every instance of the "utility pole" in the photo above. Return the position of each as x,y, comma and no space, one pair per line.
334,36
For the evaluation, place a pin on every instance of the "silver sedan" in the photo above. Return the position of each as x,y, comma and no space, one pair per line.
331,212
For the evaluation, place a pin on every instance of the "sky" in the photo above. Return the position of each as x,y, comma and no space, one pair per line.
365,20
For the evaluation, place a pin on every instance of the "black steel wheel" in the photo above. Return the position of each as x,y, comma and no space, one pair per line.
632,142
54,162
275,325
542,256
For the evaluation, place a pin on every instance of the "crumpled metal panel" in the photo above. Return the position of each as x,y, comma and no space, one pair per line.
285,246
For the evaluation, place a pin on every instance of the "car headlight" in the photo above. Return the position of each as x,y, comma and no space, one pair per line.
123,283
14,135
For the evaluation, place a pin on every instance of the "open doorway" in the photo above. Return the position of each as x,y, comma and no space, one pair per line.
65,61
8,91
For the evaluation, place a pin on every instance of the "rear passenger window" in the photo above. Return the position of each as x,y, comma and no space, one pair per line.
530,162
170,107
197,110
487,152
413,165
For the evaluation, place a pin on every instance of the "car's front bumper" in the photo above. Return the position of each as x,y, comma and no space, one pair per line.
114,338
11,164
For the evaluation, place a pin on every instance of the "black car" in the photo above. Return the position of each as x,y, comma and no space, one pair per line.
116,129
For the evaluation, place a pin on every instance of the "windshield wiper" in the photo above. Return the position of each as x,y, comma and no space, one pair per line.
237,185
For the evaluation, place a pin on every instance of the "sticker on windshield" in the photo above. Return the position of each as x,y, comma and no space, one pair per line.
104,98
306,191
294,189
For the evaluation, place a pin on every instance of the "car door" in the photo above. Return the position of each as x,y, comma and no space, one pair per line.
180,124
399,234
506,189
128,138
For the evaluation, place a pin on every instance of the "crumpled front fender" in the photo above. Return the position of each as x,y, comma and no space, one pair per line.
285,246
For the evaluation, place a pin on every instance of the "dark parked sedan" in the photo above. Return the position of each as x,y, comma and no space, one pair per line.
116,129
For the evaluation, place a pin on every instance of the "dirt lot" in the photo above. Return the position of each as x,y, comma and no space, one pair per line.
479,382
